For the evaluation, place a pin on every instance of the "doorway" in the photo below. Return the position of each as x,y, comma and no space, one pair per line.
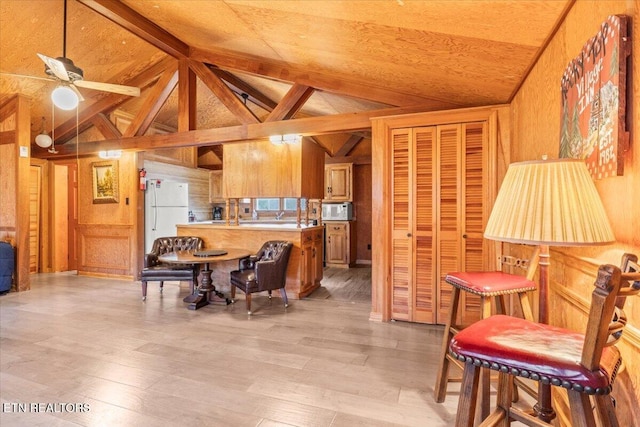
62,219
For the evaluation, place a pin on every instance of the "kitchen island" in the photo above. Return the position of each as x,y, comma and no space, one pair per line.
304,271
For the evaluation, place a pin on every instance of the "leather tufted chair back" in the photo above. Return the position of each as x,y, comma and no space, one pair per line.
156,271
163,245
264,271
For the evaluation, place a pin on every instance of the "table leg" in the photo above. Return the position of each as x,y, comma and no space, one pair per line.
205,291
193,296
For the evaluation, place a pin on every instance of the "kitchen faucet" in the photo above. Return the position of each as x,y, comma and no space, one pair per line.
279,215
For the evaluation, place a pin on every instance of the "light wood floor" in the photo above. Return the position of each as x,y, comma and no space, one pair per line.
93,342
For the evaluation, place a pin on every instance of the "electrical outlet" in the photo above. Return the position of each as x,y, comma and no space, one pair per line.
369,246
246,210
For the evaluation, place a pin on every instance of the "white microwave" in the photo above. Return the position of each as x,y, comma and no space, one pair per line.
337,212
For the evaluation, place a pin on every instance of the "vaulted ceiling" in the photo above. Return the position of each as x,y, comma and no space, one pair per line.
251,62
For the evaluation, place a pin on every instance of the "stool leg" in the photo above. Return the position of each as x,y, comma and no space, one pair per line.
485,374
500,416
468,395
443,369
606,411
581,411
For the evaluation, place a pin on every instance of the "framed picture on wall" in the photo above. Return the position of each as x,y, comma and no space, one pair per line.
592,125
105,181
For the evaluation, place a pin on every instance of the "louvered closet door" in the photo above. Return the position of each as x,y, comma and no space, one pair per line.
401,240
448,226
413,270
474,182
423,226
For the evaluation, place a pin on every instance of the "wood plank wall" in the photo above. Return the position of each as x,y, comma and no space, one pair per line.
535,114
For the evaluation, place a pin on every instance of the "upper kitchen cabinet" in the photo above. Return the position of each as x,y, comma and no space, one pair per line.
262,169
338,182
215,187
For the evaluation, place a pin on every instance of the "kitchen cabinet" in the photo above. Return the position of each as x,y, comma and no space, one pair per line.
262,169
338,182
215,187
311,266
340,243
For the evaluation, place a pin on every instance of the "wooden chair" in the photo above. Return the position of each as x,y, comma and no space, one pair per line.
584,364
492,287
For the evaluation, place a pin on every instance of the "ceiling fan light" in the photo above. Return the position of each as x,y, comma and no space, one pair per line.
64,98
43,140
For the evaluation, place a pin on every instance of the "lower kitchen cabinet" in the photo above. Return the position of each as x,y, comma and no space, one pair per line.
311,273
340,243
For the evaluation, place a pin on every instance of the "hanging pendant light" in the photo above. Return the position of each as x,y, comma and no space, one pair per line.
43,140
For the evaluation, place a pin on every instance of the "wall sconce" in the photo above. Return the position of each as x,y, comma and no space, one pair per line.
110,154
290,138
64,98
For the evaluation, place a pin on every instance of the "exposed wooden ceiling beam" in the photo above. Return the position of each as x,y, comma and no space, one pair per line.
67,130
8,108
307,126
348,145
7,137
187,97
224,94
153,103
132,21
239,86
356,160
105,126
282,71
291,103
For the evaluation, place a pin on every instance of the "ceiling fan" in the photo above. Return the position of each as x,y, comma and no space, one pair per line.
70,77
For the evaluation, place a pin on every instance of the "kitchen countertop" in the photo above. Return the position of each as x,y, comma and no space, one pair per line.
250,224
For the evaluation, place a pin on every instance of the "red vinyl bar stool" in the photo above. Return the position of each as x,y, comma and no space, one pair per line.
585,364
489,286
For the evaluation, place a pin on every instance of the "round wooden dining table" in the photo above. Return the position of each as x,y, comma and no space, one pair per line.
204,258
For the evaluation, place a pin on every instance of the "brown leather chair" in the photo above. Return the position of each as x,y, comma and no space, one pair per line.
156,271
264,271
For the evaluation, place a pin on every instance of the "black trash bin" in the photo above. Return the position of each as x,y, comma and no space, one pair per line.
7,267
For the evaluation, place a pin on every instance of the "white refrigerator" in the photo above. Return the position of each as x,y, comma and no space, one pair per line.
166,203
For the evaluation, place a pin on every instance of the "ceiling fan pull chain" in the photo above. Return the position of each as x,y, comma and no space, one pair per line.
64,31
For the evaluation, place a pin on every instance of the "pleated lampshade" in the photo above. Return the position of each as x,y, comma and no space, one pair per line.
549,202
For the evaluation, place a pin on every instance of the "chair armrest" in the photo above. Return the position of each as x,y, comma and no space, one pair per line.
150,260
247,263
267,275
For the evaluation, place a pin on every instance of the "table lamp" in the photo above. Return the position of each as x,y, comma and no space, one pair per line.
548,203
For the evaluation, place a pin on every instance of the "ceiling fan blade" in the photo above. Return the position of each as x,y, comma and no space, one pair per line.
75,89
109,87
24,76
55,66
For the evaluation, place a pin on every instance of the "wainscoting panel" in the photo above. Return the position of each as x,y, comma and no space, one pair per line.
106,250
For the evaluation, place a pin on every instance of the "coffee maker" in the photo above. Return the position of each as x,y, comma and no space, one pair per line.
217,212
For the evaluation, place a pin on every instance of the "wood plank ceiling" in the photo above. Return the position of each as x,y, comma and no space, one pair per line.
227,70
